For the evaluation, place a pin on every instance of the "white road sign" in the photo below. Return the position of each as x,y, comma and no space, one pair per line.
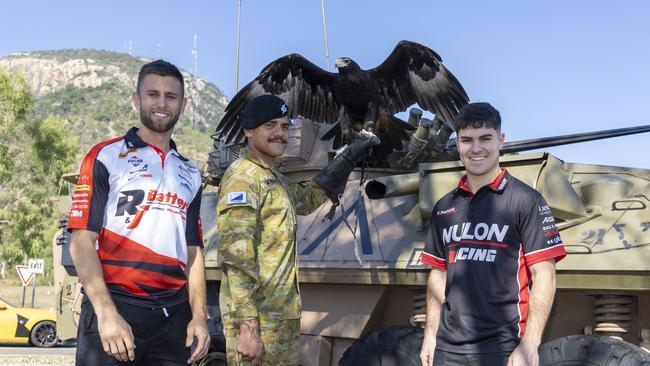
36,265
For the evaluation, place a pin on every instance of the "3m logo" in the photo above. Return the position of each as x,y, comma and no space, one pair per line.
76,213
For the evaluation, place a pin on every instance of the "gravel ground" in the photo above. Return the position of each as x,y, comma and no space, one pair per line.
67,360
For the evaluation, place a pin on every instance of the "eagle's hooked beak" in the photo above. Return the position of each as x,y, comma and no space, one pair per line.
341,62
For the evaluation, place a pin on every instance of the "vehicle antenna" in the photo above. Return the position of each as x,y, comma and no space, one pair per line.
327,51
237,57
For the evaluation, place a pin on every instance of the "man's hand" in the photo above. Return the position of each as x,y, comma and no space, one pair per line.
524,355
117,337
197,328
249,343
428,347
115,333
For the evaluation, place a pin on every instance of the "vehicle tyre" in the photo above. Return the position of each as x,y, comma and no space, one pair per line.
591,350
214,359
43,334
392,346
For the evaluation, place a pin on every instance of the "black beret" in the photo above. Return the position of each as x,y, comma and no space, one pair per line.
261,110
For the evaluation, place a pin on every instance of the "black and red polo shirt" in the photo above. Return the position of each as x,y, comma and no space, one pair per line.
486,242
145,204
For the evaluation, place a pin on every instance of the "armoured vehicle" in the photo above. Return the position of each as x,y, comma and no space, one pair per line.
362,281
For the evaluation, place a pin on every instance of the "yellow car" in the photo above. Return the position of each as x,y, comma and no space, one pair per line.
27,325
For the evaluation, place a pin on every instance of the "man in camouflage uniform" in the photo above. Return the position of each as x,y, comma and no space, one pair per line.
257,208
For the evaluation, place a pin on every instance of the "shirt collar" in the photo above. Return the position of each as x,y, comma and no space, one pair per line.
134,141
246,153
498,184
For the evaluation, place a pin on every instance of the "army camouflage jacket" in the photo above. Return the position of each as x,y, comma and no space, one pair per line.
256,218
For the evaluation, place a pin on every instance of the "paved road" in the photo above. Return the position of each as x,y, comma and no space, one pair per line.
6,350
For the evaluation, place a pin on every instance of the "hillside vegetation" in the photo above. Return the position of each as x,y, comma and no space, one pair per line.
33,155
90,90
54,105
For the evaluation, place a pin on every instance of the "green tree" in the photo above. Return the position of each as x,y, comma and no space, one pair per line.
34,152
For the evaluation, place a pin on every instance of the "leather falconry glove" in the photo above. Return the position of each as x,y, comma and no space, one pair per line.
334,176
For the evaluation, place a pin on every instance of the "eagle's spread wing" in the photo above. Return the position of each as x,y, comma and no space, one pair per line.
306,88
413,73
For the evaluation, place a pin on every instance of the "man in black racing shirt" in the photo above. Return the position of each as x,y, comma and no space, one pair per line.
492,246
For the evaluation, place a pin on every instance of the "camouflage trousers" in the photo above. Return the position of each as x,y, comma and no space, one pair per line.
281,343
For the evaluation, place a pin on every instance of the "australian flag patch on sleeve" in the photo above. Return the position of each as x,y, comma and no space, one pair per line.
236,198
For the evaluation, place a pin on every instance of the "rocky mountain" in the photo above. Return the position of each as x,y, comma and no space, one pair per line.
91,91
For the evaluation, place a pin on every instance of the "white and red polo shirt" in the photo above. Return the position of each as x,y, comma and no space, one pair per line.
145,204
486,242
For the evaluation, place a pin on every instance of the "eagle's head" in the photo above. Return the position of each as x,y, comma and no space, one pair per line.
346,64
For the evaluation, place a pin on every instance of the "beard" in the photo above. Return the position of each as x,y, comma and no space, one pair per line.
146,120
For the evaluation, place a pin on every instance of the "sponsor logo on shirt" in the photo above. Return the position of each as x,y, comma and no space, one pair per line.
80,200
126,153
544,210
480,231
135,160
187,168
553,241
447,212
548,219
549,233
502,184
82,187
473,254
154,196
133,203
144,168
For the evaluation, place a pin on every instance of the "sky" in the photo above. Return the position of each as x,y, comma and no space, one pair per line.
550,67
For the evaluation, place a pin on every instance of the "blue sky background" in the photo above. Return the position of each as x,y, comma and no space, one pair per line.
550,67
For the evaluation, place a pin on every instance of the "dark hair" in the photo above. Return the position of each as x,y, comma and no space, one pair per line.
161,68
477,115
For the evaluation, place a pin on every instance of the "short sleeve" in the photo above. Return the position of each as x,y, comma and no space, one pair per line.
90,195
540,237
434,251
